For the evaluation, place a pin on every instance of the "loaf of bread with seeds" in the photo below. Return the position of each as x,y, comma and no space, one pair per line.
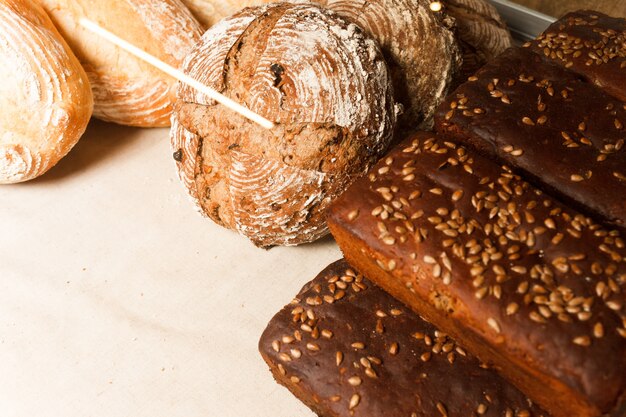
418,44
591,44
45,95
324,84
565,134
481,32
346,348
127,90
527,284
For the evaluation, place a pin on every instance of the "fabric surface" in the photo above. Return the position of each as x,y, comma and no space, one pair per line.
118,299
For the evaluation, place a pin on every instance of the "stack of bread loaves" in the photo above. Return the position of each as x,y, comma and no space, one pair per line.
506,266
321,77
48,97
127,90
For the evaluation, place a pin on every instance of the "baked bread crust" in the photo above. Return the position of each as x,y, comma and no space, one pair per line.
127,90
481,32
346,348
419,46
209,12
525,283
327,88
45,95
563,133
591,44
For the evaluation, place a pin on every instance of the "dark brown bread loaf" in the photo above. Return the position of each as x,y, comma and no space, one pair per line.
523,282
326,86
564,133
346,348
591,44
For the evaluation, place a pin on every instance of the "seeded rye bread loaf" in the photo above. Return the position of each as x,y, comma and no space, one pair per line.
344,347
525,283
562,132
481,33
419,46
327,88
591,44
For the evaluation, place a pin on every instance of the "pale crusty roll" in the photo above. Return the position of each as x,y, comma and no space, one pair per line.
209,12
419,46
325,85
127,90
45,95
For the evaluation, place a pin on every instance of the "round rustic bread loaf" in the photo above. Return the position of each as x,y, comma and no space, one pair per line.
45,95
326,86
209,12
419,46
127,90
481,32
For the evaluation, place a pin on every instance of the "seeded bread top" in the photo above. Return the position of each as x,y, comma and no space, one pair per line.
589,43
514,275
564,133
350,349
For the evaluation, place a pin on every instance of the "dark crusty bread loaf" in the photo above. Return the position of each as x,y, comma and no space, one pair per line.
591,44
419,46
346,348
564,133
525,283
481,32
326,86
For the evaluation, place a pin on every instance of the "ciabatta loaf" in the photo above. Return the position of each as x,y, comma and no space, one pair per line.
45,98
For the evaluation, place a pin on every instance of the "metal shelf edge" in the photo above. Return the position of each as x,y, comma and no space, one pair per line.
525,24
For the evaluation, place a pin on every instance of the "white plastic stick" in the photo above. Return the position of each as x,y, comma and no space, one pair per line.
179,75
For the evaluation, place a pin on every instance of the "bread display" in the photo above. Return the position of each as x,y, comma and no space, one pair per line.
591,44
533,114
419,46
346,348
527,284
209,12
45,96
127,90
481,32
327,88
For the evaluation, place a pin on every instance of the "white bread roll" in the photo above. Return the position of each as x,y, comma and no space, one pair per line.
45,95
126,90
209,12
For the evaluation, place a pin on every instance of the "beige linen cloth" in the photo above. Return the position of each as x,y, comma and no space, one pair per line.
118,300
